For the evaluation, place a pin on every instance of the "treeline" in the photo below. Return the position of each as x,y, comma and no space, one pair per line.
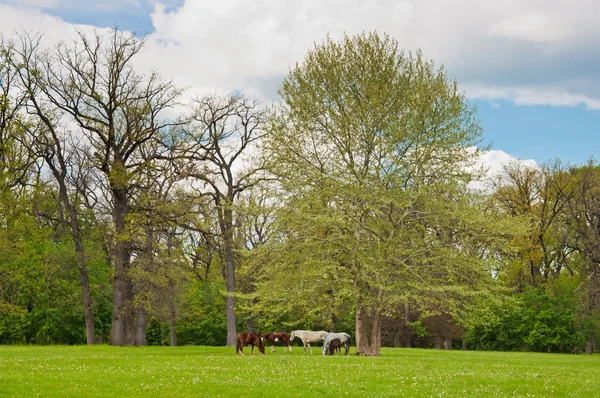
130,217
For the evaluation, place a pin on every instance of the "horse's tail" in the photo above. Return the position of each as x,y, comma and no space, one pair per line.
237,345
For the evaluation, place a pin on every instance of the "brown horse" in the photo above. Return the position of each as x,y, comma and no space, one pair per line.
335,345
248,338
272,337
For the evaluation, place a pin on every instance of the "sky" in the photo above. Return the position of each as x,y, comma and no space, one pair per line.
532,67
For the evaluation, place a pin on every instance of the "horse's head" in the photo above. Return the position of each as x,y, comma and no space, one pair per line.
293,336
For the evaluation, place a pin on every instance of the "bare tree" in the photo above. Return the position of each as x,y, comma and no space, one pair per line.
15,159
50,144
93,83
223,130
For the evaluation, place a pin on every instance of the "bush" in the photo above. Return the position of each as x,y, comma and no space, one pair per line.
537,321
14,323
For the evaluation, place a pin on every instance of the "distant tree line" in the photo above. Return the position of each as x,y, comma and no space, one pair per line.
133,217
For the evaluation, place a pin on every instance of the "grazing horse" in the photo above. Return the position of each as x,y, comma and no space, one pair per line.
308,337
334,345
273,337
248,338
344,341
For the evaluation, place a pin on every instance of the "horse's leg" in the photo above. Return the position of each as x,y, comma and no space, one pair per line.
242,349
309,347
272,346
252,350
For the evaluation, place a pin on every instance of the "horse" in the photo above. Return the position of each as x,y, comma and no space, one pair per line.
334,345
308,337
273,337
248,338
344,341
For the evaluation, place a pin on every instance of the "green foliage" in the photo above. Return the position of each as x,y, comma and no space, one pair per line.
371,147
203,320
13,322
536,321
40,294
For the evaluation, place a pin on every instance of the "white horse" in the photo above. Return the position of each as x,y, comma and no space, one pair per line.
308,337
344,340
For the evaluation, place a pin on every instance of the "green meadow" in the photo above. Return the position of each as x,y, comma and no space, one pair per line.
105,371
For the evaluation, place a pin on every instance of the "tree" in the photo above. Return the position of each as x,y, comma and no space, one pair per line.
584,236
371,147
16,161
93,82
539,197
159,269
222,132
59,152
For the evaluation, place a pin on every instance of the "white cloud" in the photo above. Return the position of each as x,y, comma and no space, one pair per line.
494,162
529,52
80,4
531,96
536,27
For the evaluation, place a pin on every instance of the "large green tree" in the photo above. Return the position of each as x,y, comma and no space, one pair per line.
372,148
92,83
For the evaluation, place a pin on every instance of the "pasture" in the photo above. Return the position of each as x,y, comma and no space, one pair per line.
217,372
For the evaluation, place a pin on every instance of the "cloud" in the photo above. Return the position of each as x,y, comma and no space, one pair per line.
531,96
533,52
34,3
530,52
81,4
494,162
535,27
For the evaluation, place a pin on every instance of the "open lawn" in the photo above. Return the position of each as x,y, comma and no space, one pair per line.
217,372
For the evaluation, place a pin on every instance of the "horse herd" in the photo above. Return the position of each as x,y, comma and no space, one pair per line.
332,342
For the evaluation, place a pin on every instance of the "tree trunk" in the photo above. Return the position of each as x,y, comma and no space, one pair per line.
141,323
367,344
375,344
117,332
87,301
407,329
84,282
172,328
250,324
80,254
129,313
362,343
122,259
590,346
227,230
141,317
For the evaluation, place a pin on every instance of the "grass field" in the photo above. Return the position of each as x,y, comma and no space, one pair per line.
105,371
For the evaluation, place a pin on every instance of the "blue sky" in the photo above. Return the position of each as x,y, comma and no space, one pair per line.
541,132
127,15
532,66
